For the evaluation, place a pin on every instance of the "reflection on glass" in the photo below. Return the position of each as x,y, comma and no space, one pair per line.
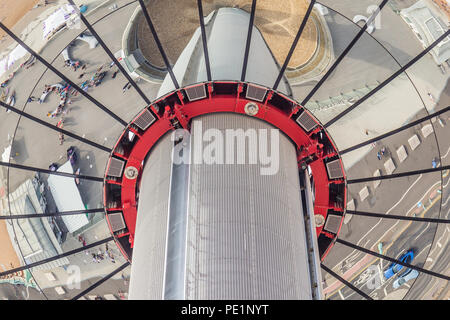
97,11
415,196
349,264
67,277
412,149
350,81
336,33
130,58
391,107
55,31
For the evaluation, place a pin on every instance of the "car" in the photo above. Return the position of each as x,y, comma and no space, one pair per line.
405,277
395,268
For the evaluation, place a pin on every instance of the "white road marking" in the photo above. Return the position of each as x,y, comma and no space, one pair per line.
447,229
385,291
445,203
342,296
424,248
448,151
380,271
445,185
395,205
428,224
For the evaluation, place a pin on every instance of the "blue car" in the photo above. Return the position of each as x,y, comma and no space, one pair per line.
405,277
395,267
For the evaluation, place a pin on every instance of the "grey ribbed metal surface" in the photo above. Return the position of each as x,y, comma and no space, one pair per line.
196,93
255,93
246,235
117,222
334,169
306,122
333,223
149,253
144,120
116,167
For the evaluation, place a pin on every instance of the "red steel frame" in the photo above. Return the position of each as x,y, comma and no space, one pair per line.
175,111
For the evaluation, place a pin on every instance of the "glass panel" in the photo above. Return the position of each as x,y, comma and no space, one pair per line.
390,108
351,9
42,238
337,32
417,196
67,277
20,286
417,24
431,80
277,24
348,264
403,30
426,286
115,288
408,150
177,24
39,147
127,51
13,92
92,69
350,80
97,11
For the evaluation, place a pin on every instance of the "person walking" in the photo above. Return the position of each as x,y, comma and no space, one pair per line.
125,87
434,163
61,138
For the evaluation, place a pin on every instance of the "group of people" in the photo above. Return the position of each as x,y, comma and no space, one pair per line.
98,77
99,256
65,89
82,240
381,153
74,64
63,92
4,84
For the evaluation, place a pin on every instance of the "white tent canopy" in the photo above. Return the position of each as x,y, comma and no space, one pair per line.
57,20
6,154
7,62
67,198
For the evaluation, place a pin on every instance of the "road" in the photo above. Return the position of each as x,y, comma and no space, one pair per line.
400,197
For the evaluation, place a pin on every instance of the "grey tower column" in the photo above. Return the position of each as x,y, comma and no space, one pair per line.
246,235
220,231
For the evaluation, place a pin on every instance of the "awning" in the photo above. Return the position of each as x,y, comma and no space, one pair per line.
67,198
